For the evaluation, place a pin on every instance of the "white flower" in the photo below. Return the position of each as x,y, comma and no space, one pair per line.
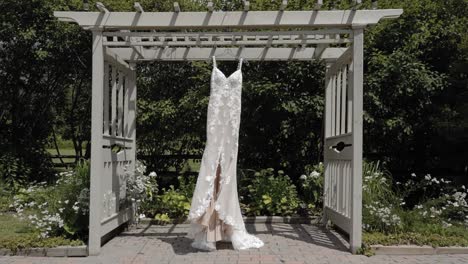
66,201
142,216
315,174
413,174
445,224
427,177
75,208
419,206
152,174
303,177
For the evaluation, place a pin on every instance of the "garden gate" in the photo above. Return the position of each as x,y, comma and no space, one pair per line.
121,39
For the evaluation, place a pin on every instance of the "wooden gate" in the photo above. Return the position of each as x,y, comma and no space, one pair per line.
112,142
343,141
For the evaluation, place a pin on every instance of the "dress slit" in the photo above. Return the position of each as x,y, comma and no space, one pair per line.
215,227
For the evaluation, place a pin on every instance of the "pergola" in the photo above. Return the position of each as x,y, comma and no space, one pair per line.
121,39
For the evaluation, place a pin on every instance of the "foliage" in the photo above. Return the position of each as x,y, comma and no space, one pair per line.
311,186
459,238
31,241
380,203
422,210
35,77
171,204
59,209
140,187
265,192
187,185
6,197
434,201
415,97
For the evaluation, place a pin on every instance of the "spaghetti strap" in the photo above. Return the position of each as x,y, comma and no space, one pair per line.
214,61
240,64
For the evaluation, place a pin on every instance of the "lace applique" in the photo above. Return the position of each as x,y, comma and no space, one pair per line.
224,110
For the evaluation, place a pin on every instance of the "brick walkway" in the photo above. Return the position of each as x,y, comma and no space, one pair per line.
284,243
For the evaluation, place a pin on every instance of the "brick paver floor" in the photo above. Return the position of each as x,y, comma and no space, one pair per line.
284,243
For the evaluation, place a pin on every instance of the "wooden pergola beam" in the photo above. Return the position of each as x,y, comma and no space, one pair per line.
227,54
221,19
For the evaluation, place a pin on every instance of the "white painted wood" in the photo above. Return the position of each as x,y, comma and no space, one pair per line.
349,121
230,19
120,105
126,109
356,213
106,98
210,6
176,7
132,112
114,221
206,34
331,154
343,99
342,59
328,98
327,133
197,43
94,243
101,7
318,5
226,54
333,106
283,5
338,103
138,7
114,59
114,101
246,5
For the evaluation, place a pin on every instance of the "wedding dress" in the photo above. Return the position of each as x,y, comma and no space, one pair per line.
215,213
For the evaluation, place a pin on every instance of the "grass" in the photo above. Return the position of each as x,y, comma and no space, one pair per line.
420,239
12,227
16,235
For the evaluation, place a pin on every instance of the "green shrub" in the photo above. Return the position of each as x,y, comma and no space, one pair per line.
311,186
433,201
14,243
61,209
264,193
6,197
381,206
13,171
187,185
172,203
415,238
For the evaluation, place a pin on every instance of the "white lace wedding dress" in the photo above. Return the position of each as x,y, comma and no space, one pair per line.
215,213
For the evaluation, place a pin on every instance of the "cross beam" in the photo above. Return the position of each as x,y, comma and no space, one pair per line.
230,19
226,54
252,38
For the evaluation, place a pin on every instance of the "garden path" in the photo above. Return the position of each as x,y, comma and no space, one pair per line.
284,243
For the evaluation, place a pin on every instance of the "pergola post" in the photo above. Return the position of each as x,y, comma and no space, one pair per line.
357,135
94,242
131,121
